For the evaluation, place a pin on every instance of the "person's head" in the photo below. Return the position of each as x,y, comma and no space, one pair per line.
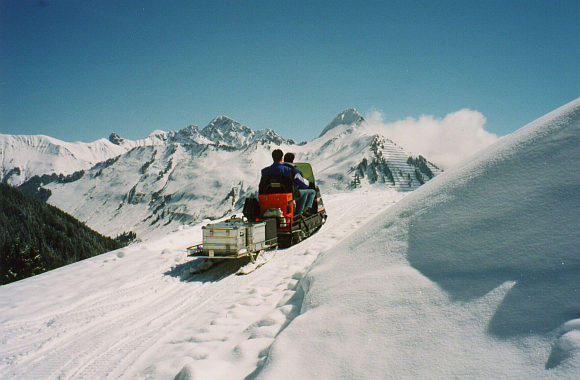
277,155
289,157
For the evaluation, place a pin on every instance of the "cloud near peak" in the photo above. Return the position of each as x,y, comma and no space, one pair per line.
445,142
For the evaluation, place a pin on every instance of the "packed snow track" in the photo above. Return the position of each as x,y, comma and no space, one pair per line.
136,313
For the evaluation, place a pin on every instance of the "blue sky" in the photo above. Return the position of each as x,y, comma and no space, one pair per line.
78,70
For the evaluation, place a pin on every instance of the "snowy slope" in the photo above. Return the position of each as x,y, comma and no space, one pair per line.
154,189
131,314
474,275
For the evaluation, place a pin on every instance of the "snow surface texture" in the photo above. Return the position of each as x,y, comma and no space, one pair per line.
476,274
138,313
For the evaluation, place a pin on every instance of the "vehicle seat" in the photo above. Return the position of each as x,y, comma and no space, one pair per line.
276,184
276,191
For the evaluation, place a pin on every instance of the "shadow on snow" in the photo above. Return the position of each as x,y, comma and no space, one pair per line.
191,270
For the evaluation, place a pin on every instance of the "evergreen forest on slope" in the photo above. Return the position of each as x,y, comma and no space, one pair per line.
36,237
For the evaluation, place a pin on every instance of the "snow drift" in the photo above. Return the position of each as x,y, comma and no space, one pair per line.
476,274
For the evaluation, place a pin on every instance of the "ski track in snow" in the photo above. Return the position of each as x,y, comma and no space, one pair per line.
155,324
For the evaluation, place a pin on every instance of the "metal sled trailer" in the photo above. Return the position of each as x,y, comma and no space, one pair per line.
233,239
198,250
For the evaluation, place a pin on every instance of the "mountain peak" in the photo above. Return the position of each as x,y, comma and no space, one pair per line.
116,139
224,123
350,116
225,131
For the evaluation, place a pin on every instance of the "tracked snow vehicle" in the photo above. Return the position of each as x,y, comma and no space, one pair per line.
276,198
270,221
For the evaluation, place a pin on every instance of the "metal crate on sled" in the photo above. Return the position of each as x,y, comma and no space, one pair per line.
233,239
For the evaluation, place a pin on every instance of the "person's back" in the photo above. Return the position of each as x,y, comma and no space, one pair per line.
277,168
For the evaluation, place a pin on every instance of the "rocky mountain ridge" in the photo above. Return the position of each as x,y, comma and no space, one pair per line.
23,157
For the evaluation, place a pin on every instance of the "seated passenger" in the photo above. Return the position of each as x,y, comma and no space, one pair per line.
277,168
307,195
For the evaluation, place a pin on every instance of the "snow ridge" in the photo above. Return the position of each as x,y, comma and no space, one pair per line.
225,131
23,157
473,275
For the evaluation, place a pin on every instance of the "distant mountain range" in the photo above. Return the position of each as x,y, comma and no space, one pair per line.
23,157
155,184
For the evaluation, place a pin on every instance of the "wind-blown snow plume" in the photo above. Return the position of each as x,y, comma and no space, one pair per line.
446,141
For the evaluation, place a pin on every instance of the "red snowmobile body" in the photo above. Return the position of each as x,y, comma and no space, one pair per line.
279,193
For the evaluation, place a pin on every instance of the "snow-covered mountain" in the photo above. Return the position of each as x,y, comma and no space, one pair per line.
351,154
221,131
173,178
474,275
23,157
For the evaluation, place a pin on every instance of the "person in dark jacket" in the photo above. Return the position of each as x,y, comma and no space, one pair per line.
307,195
277,168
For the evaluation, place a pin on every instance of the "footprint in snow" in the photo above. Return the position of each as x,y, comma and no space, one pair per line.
205,337
255,348
252,302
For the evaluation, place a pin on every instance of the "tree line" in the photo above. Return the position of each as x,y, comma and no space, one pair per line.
36,237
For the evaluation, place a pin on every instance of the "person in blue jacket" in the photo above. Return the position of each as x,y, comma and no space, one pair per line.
307,195
277,168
